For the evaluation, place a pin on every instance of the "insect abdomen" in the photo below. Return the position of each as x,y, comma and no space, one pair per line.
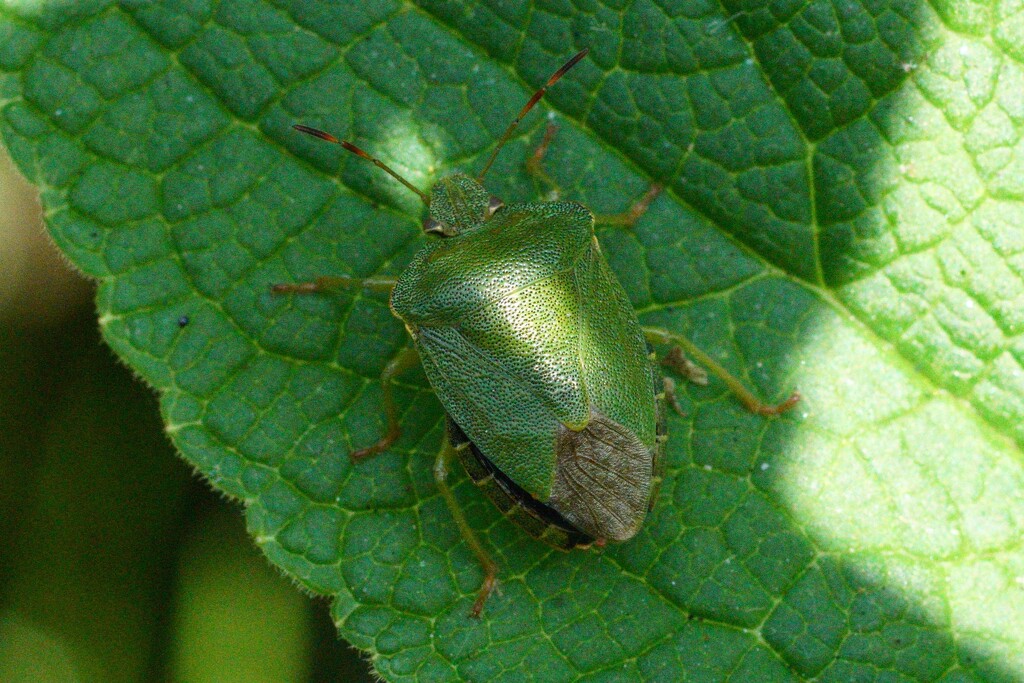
537,519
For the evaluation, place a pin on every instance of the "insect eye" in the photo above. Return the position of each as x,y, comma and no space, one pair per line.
493,204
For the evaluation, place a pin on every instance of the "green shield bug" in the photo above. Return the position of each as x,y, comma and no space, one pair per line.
552,394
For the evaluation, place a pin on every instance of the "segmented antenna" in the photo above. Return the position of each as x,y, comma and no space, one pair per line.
355,150
529,105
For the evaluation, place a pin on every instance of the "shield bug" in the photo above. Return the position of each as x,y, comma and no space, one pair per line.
553,397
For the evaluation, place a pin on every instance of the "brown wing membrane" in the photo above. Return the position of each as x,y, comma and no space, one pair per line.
603,478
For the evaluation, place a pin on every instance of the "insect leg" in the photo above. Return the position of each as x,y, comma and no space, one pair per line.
329,283
441,468
535,163
628,218
677,360
529,105
405,359
668,395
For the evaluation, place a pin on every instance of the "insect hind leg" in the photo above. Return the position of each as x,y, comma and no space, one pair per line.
441,468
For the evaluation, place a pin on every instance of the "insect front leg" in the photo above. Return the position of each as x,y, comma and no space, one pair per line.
628,218
535,163
334,283
676,359
441,468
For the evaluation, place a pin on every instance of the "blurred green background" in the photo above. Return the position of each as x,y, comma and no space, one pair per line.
116,563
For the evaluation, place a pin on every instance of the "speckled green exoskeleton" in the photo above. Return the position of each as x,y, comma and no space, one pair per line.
533,349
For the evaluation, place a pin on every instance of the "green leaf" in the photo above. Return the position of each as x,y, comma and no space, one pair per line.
844,215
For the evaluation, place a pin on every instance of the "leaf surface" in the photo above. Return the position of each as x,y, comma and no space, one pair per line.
843,215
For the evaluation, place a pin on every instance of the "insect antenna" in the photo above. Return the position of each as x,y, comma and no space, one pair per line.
529,105
355,150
